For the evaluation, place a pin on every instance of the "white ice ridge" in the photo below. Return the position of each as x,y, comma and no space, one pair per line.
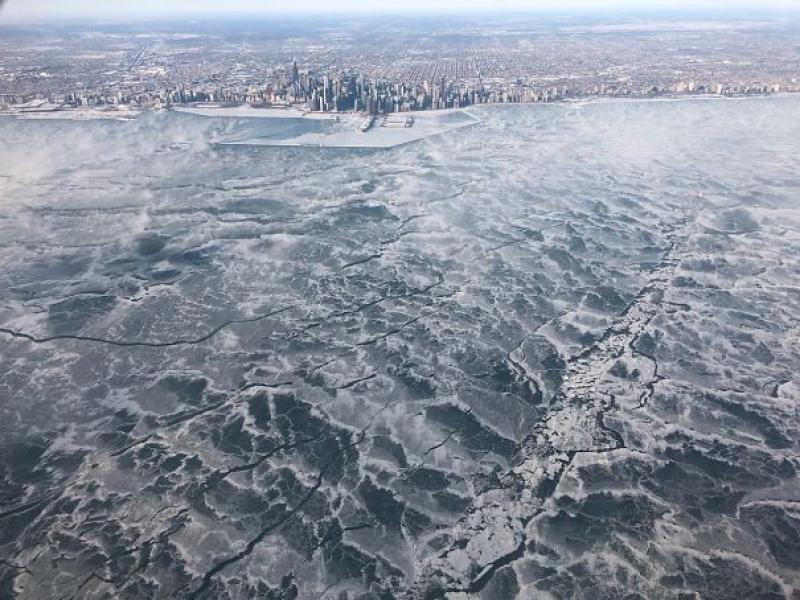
493,532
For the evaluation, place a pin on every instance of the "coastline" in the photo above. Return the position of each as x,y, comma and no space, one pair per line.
345,132
75,114
246,111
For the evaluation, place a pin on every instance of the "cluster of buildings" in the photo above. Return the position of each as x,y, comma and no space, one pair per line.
356,93
351,92
393,67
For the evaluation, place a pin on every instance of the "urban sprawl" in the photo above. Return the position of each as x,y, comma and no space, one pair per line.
386,70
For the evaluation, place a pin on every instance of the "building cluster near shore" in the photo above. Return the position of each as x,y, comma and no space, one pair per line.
355,93
339,68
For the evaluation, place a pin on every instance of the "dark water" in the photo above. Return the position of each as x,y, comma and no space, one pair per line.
551,356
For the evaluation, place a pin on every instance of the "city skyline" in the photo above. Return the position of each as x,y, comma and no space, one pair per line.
378,66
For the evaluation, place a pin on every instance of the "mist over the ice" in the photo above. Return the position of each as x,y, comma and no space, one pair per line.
553,354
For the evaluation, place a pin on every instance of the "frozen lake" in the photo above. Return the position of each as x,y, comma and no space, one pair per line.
551,354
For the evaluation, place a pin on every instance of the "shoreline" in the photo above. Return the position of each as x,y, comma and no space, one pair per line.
345,134
290,112
246,111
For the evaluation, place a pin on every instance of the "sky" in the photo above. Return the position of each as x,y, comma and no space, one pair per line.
48,9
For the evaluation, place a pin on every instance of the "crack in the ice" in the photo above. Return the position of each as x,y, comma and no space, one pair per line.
360,261
275,526
129,344
549,450
349,384
362,307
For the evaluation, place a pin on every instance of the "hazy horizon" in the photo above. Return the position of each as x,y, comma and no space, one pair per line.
48,10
